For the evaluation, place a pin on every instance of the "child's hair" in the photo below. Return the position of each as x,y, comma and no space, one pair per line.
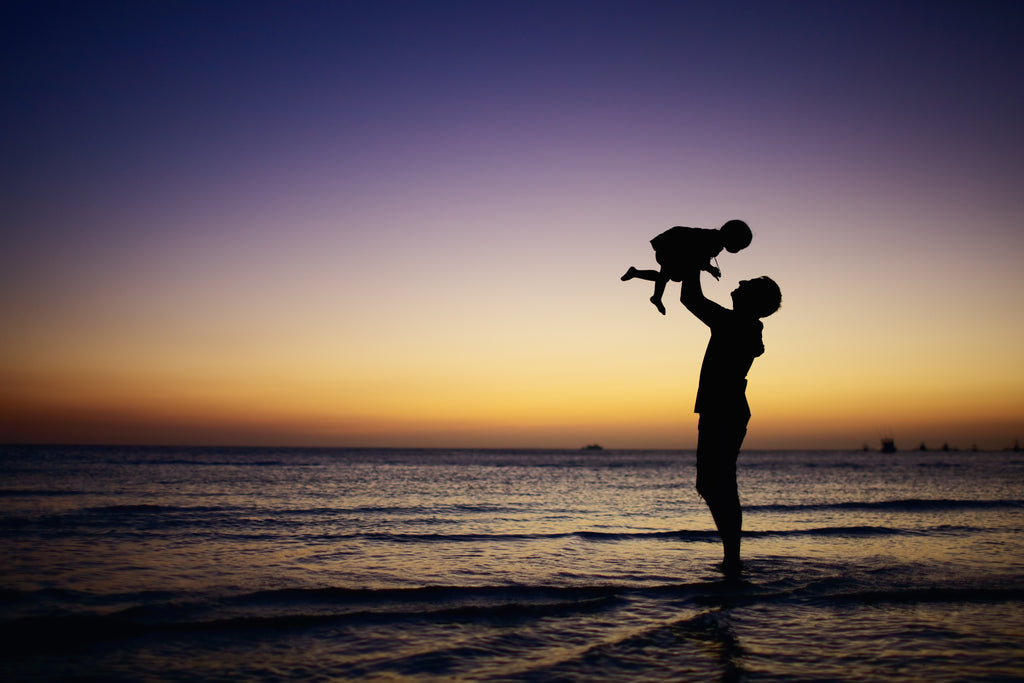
766,297
736,235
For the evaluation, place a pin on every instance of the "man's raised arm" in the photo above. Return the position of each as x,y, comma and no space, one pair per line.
693,298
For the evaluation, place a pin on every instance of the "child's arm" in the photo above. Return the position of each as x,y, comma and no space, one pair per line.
711,247
715,272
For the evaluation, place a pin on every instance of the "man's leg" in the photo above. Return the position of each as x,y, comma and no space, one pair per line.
718,488
718,445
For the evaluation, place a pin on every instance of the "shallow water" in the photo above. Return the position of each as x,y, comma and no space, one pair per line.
319,564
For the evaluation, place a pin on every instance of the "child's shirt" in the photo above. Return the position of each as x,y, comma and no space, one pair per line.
681,247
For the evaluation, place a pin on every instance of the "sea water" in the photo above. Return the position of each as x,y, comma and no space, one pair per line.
197,564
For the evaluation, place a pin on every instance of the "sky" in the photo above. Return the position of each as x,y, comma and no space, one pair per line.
400,224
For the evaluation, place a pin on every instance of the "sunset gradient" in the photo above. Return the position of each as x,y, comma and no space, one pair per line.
403,223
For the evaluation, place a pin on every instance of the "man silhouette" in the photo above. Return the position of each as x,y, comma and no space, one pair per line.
721,396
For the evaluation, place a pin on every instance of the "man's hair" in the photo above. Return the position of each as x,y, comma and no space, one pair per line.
767,298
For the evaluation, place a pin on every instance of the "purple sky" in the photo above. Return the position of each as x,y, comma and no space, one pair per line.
207,201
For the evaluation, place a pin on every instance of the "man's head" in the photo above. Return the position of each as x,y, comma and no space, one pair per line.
759,297
736,235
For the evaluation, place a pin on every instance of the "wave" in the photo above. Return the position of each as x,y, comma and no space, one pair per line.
597,536
683,536
206,526
686,536
37,493
903,505
931,595
157,509
429,524
295,609
291,609
898,505
152,508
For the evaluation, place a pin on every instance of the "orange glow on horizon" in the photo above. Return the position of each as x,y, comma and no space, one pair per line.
495,410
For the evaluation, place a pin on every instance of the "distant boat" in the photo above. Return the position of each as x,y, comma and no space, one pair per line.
888,445
592,447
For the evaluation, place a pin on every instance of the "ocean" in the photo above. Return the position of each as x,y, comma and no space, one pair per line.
224,564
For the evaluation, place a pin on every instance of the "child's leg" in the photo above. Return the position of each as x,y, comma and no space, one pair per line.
642,274
659,279
659,291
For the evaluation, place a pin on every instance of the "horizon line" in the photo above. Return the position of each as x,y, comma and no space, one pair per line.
944,448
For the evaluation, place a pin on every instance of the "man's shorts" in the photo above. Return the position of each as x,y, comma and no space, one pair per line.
719,438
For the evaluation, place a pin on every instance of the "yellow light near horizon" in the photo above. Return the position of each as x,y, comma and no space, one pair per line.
524,361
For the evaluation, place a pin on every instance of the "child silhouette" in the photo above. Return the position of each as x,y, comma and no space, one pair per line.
679,250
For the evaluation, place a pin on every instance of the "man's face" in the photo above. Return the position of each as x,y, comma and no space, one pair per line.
741,293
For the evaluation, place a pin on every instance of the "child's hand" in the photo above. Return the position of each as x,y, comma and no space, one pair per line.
715,272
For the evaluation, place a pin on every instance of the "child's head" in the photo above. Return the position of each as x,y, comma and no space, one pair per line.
736,235
760,297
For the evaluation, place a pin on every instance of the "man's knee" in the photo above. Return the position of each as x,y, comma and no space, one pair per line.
702,488
708,488
716,487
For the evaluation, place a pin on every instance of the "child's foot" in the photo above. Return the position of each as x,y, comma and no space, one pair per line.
630,274
657,304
